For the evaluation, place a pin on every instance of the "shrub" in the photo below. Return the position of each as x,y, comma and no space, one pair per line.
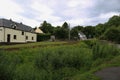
43,37
112,34
90,43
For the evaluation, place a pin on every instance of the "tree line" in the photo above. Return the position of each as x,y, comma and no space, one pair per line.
107,31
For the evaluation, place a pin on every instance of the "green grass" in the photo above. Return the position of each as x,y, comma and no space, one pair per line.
104,55
31,44
64,62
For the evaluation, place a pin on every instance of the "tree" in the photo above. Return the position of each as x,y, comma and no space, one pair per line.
99,30
89,31
75,30
65,25
61,33
112,34
114,21
47,27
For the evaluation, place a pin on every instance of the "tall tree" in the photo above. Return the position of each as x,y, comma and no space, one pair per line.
75,30
47,27
114,21
89,31
99,30
65,25
112,34
61,33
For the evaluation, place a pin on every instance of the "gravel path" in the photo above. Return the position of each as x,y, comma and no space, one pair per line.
112,73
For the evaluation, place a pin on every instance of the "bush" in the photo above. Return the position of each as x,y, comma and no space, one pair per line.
43,37
61,33
112,34
90,43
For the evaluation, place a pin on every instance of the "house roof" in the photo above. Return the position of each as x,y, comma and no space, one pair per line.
38,30
18,26
80,33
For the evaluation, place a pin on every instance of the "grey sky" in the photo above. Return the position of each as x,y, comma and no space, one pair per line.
56,12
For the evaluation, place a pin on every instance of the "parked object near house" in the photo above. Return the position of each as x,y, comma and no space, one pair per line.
13,32
38,30
82,36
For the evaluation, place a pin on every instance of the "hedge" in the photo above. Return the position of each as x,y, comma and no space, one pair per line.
43,37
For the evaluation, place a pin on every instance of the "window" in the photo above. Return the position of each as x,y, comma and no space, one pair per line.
22,32
14,26
26,37
32,38
15,37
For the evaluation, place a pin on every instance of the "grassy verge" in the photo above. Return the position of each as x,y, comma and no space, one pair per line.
102,59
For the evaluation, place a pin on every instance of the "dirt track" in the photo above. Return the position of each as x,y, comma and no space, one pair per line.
112,73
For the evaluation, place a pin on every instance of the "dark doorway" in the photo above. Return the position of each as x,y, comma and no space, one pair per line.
8,38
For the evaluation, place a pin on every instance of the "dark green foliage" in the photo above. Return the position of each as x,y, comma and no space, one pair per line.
61,33
112,34
43,37
75,30
89,31
47,27
110,30
65,25
114,21
99,30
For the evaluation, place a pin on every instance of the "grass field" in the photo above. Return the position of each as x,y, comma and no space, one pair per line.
37,44
77,61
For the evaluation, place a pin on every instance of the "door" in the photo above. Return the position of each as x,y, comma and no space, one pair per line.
8,38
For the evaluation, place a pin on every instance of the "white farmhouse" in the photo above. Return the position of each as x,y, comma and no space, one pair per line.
13,32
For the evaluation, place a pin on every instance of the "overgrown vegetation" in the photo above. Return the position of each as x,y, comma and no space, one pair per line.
68,62
112,34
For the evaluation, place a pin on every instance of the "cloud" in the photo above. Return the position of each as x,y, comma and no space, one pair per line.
56,12
9,9
43,12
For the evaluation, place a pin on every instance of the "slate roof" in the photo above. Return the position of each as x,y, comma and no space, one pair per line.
18,26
